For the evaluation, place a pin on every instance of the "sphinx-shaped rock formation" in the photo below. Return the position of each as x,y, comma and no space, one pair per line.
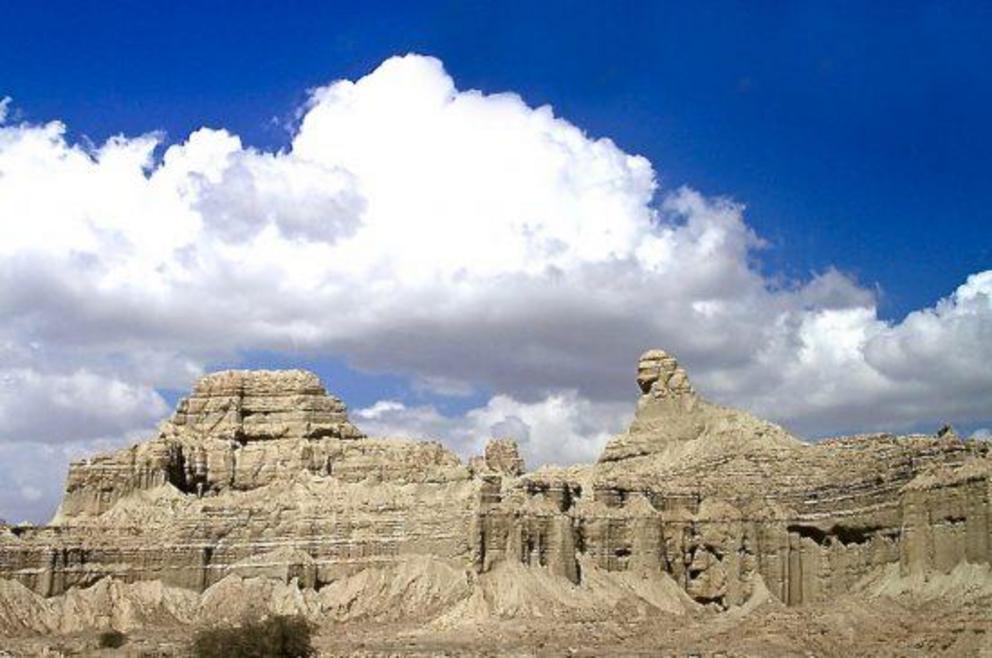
261,474
721,501
672,418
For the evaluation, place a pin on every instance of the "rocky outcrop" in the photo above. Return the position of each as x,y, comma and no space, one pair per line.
725,503
260,405
671,418
238,430
502,457
261,476
254,468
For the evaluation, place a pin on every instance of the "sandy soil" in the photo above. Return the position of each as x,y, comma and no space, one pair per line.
849,627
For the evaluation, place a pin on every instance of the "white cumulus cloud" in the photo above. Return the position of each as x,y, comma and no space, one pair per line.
560,428
463,239
40,407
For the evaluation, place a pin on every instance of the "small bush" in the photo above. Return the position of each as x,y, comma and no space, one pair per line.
112,640
276,637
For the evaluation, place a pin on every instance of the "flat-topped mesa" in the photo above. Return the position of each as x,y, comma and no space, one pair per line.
240,429
258,405
671,414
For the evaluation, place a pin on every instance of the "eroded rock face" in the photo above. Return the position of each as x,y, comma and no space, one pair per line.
672,418
238,430
261,475
258,405
660,376
503,456
725,503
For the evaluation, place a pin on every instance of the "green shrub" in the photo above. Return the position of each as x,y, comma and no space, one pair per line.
275,637
112,640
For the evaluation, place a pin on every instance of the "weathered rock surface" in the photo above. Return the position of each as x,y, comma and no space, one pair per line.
502,457
260,482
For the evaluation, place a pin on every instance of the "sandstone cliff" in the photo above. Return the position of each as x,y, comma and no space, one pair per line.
259,482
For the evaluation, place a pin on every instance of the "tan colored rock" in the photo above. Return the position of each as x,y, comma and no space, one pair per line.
503,456
259,405
671,419
260,494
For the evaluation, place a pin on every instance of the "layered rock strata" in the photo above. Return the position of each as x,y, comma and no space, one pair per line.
261,474
721,500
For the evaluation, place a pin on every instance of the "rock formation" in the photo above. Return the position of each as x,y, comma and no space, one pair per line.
260,477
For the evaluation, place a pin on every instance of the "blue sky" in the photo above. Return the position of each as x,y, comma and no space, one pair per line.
807,225
857,134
